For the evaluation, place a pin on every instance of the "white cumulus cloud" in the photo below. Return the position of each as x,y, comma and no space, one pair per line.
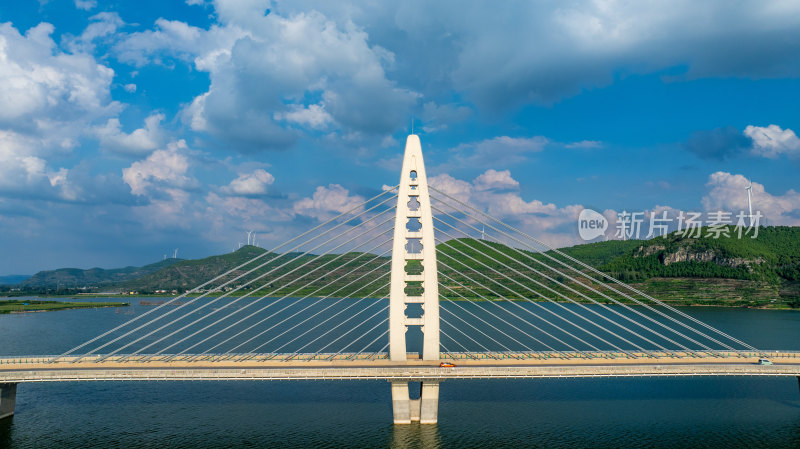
24,172
38,82
496,180
48,97
327,202
263,66
495,192
314,116
165,169
461,190
249,184
772,141
138,142
727,193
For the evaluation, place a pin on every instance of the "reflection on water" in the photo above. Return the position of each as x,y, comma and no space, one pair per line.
667,412
632,412
415,435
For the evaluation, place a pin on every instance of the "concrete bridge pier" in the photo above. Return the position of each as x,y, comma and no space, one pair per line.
425,409
8,397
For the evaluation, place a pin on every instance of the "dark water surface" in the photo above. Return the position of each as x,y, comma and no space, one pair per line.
636,412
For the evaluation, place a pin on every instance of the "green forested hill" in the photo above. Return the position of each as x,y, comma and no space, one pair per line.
727,271
600,253
773,256
93,277
267,273
187,274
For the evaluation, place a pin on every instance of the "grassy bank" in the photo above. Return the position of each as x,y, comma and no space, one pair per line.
16,306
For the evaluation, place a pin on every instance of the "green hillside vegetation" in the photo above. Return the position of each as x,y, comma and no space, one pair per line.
186,274
77,278
774,256
761,272
600,253
270,273
476,269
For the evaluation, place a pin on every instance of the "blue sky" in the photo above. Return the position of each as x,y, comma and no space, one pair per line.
130,128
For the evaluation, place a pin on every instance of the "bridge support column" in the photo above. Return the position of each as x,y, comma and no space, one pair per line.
401,403
429,403
8,397
425,409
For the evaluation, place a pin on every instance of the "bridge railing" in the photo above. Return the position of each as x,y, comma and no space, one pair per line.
551,355
352,357
253,357
18,360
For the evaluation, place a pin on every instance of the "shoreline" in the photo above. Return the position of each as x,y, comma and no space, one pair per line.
16,307
214,296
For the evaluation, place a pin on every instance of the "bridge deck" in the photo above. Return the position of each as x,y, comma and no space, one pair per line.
38,370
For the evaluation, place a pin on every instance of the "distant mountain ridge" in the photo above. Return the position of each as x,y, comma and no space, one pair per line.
187,274
761,272
94,277
13,279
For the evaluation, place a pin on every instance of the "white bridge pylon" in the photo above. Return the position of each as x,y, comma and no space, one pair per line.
413,243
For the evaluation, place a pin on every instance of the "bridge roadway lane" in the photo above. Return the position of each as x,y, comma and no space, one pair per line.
36,370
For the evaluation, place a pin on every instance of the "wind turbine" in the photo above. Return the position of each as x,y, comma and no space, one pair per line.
749,202
248,236
175,254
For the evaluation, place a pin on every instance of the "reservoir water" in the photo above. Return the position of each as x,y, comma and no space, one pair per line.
637,412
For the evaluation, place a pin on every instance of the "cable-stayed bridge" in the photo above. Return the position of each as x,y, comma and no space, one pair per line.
392,288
